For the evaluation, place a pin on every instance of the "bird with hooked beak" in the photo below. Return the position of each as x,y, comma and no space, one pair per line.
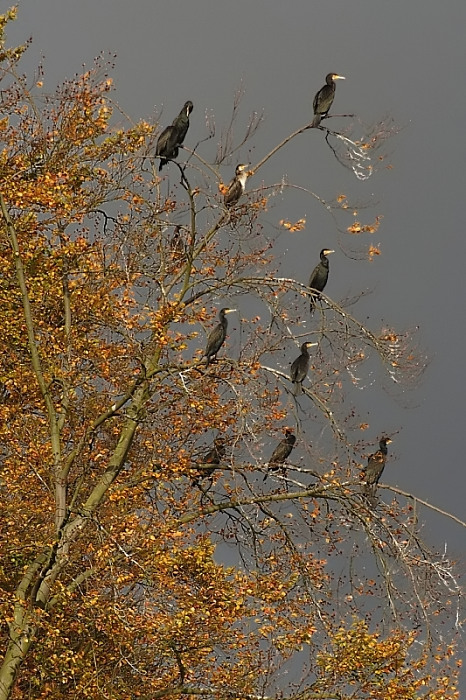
319,275
237,185
324,98
172,136
300,367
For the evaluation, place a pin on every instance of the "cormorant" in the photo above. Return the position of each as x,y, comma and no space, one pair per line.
300,367
181,123
375,466
324,98
217,336
178,248
236,186
213,457
282,450
172,136
167,145
319,276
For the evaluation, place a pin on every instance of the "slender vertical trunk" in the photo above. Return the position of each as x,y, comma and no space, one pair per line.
16,652
21,631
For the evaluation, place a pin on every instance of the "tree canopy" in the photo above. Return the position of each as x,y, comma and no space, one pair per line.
142,557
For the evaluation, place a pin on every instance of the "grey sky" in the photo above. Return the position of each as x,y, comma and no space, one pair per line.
403,58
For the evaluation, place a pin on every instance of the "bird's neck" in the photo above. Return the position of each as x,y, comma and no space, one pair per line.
242,177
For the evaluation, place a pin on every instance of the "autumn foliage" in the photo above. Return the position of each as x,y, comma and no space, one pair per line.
123,574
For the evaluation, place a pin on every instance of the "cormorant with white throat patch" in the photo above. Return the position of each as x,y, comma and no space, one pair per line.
324,98
172,136
236,186
319,275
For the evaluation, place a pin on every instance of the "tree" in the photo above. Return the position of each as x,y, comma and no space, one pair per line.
124,574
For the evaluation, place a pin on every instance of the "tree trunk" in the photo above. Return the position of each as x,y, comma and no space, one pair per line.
16,652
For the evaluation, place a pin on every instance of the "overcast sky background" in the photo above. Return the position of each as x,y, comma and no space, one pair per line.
404,59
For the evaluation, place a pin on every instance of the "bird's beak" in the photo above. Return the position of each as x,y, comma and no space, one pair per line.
339,77
327,252
230,311
310,345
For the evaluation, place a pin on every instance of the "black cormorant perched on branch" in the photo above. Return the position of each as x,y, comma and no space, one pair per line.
300,367
217,336
375,466
324,98
177,245
282,451
236,186
181,123
172,136
214,457
319,275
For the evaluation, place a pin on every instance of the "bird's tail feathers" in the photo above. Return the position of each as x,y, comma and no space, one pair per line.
369,494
